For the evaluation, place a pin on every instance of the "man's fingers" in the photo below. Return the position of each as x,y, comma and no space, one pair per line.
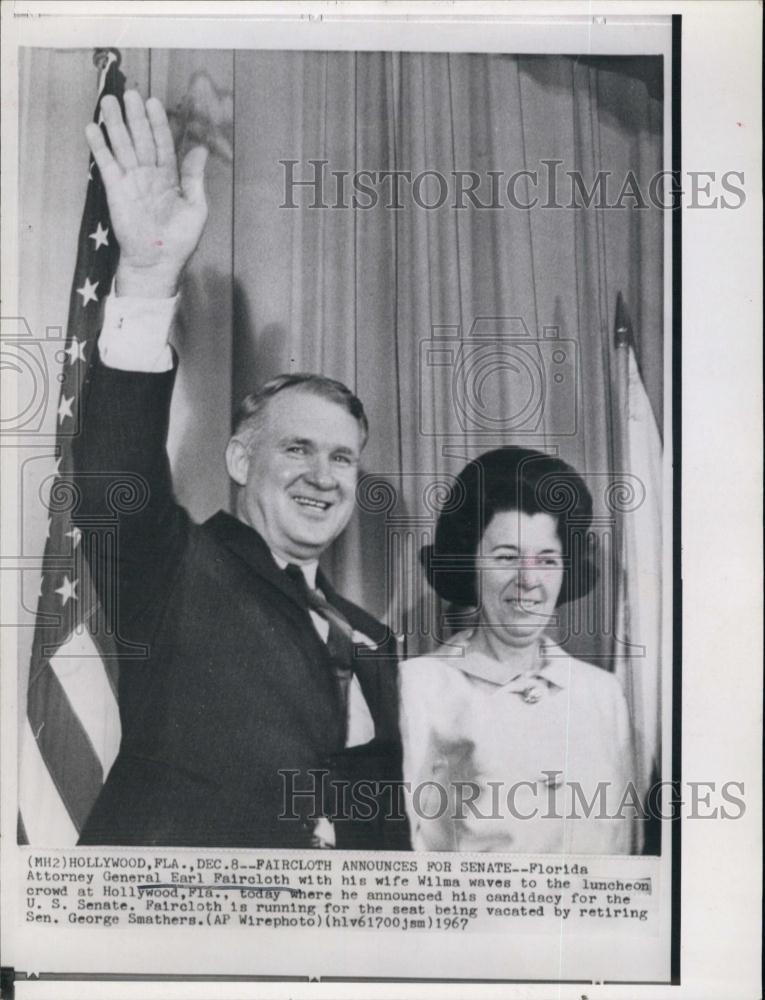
110,170
143,141
121,143
163,137
193,175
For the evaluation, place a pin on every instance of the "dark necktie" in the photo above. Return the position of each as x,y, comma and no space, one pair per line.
340,639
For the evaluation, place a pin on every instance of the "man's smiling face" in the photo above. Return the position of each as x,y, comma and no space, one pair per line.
298,473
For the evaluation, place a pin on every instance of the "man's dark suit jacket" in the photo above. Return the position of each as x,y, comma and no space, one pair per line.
233,701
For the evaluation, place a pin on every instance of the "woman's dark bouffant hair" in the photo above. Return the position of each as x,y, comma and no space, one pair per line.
505,479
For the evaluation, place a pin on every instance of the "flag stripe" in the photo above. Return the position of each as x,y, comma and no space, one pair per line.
67,750
44,817
86,686
111,670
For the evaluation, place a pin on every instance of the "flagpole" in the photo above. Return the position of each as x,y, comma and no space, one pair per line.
639,624
623,345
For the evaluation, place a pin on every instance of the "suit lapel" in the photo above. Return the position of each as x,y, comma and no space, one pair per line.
249,546
246,543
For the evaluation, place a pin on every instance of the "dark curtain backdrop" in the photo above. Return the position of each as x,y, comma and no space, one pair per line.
358,294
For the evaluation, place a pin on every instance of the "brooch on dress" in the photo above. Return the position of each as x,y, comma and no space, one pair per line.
532,686
531,694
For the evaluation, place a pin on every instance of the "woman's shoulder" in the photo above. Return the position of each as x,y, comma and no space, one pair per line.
455,647
442,665
586,676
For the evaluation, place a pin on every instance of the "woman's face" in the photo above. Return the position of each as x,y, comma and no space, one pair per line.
521,573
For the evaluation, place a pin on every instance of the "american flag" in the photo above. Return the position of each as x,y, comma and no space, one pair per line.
72,730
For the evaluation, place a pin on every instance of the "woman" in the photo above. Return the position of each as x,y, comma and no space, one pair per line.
507,738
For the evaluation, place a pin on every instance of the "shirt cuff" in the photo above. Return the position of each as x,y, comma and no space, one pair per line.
134,336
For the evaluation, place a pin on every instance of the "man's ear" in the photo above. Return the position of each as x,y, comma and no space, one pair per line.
237,461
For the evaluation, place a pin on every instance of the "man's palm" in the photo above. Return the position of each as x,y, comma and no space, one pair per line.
152,220
156,221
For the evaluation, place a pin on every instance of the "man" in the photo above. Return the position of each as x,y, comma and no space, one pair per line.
263,711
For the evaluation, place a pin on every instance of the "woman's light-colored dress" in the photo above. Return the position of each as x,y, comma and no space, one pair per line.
533,763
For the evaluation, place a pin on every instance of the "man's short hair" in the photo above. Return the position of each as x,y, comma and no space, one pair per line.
249,414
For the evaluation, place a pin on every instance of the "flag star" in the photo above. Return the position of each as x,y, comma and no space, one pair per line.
67,590
88,292
75,351
100,237
75,534
65,408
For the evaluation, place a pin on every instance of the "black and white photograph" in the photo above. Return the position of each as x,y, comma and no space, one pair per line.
497,357
347,509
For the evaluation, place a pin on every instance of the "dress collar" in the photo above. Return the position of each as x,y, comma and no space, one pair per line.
555,671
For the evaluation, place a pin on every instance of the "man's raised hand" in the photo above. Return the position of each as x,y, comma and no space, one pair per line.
156,220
